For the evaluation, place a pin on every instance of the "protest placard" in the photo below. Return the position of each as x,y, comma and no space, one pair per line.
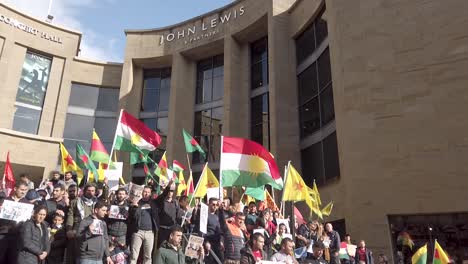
193,246
16,211
96,227
351,250
212,192
285,222
116,212
259,230
203,217
113,176
136,192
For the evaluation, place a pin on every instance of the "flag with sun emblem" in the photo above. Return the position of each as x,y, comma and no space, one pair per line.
247,163
132,135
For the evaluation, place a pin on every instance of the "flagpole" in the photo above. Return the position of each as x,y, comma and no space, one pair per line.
194,192
220,170
115,137
188,161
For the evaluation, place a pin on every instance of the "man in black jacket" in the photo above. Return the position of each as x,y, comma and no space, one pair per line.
92,236
170,213
316,258
117,224
143,226
335,243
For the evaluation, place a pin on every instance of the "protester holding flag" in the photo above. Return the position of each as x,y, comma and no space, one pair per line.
234,235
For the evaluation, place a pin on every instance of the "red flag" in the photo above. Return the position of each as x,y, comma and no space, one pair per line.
8,182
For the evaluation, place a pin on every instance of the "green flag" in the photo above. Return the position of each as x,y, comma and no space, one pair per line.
191,145
258,193
84,162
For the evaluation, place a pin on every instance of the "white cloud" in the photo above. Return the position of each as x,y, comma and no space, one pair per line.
66,12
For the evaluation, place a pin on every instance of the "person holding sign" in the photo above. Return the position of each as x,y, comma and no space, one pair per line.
170,251
92,236
8,228
34,242
118,215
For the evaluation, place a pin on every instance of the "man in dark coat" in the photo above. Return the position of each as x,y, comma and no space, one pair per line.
254,252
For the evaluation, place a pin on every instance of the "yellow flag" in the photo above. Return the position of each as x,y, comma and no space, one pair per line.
100,173
314,207
326,211
207,180
294,188
68,164
440,257
317,194
182,184
420,257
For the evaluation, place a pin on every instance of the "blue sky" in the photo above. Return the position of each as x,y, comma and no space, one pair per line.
103,22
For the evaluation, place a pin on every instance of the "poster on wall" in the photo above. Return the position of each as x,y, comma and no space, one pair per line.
34,79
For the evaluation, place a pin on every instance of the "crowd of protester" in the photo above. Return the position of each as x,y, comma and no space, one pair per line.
72,224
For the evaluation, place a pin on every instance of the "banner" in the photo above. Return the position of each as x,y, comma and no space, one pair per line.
34,79
193,246
203,217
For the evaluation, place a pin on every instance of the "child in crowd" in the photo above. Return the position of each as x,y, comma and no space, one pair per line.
58,240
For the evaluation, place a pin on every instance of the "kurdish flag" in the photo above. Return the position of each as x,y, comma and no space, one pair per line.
132,135
247,163
191,145
420,257
207,180
177,166
98,151
343,253
440,257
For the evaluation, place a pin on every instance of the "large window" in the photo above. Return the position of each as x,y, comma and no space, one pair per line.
90,108
31,93
208,125
259,104
210,79
155,105
319,151
208,130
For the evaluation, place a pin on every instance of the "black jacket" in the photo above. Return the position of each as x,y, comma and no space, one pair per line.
32,242
118,227
335,241
57,246
93,247
135,214
369,256
233,238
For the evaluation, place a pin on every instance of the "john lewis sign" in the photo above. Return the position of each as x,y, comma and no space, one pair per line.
205,30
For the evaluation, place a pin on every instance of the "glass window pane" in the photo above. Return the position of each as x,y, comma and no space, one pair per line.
259,50
321,30
152,83
330,152
26,120
312,164
260,130
199,92
163,126
307,83
310,117
34,79
164,99
105,128
84,96
150,100
218,61
78,127
216,132
305,44
326,105
256,108
218,71
324,69
258,75
204,69
201,131
218,88
207,90
108,100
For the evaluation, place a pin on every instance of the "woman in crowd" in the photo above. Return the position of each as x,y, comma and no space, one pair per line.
34,242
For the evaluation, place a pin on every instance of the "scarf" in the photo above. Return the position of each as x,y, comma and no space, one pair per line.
85,201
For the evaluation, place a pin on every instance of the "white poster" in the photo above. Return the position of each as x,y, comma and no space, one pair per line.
193,246
212,192
113,176
16,211
203,218
116,212
285,222
259,230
